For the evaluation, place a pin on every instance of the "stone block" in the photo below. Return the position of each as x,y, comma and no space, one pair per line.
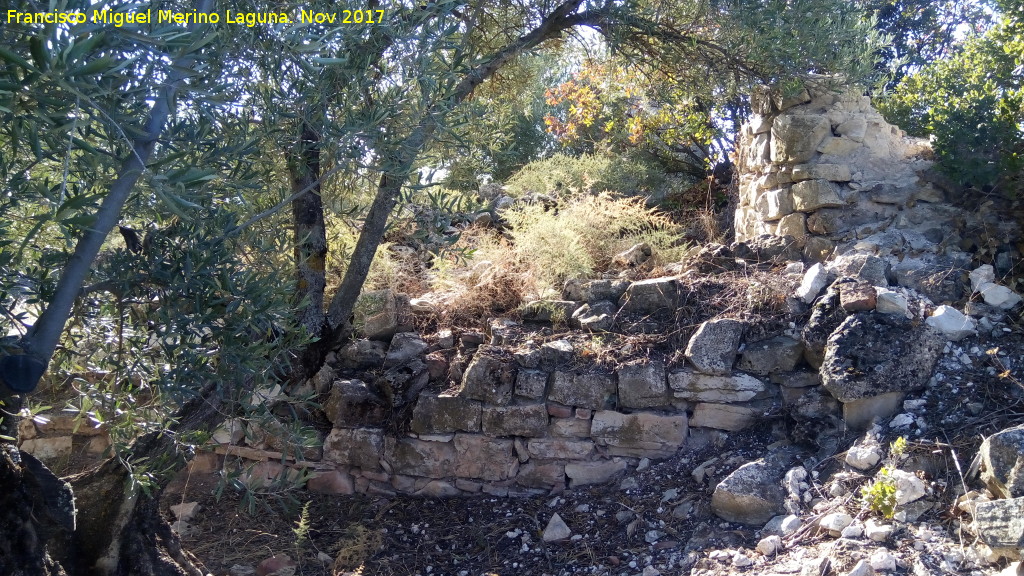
352,404
334,482
952,323
529,420
436,414
643,385
641,434
866,267
779,354
650,296
538,474
414,457
560,449
811,195
778,203
859,413
857,296
798,379
380,314
817,248
753,493
713,347
48,449
724,416
1000,524
358,447
697,387
404,347
891,302
489,378
556,353
833,146
794,225
569,428
438,489
584,473
795,138
830,172
854,128
362,353
1002,462
478,456
582,390
814,281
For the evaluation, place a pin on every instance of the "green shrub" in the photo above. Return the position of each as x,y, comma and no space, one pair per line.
880,495
563,176
972,105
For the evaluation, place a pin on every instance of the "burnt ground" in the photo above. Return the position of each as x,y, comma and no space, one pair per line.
654,520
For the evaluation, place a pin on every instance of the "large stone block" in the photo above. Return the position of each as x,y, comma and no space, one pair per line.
811,195
796,138
569,427
404,347
712,348
420,458
753,493
358,447
489,378
560,449
592,391
438,414
380,314
643,385
794,225
830,172
639,434
725,416
529,420
478,456
531,384
871,354
584,473
697,387
352,403
650,296
779,354
540,474
778,203
1002,463
1000,525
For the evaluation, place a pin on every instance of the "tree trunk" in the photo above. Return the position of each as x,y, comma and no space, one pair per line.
310,248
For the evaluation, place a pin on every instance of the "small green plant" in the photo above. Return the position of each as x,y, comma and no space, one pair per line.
898,448
880,495
301,529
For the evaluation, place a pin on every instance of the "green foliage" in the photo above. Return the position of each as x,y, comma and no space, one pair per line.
880,494
897,448
583,235
563,175
972,105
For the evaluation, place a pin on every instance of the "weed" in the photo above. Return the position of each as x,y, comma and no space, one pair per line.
880,495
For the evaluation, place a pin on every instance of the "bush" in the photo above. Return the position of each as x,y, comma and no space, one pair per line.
563,176
972,104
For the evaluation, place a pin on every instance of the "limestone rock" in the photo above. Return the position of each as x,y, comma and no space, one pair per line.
814,281
413,457
363,353
438,414
984,274
732,417
999,296
938,279
529,420
813,403
753,493
643,385
857,296
231,431
595,290
854,128
489,378
830,172
595,317
909,487
352,403
811,195
359,447
539,474
333,482
438,489
779,354
826,316
556,530
952,323
838,146
633,257
697,387
891,302
767,248
404,347
835,522
642,434
185,511
866,267
1002,462
794,225
713,348
796,138
599,472
650,296
479,456
592,391
1000,523
556,353
871,354
557,448
380,314
865,454
777,203
531,384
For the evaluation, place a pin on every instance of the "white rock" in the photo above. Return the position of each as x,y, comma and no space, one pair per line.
864,456
951,323
769,545
230,432
852,531
185,511
651,571
877,532
835,522
999,296
741,560
890,302
784,525
901,420
882,560
908,486
556,530
982,275
862,568
815,280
